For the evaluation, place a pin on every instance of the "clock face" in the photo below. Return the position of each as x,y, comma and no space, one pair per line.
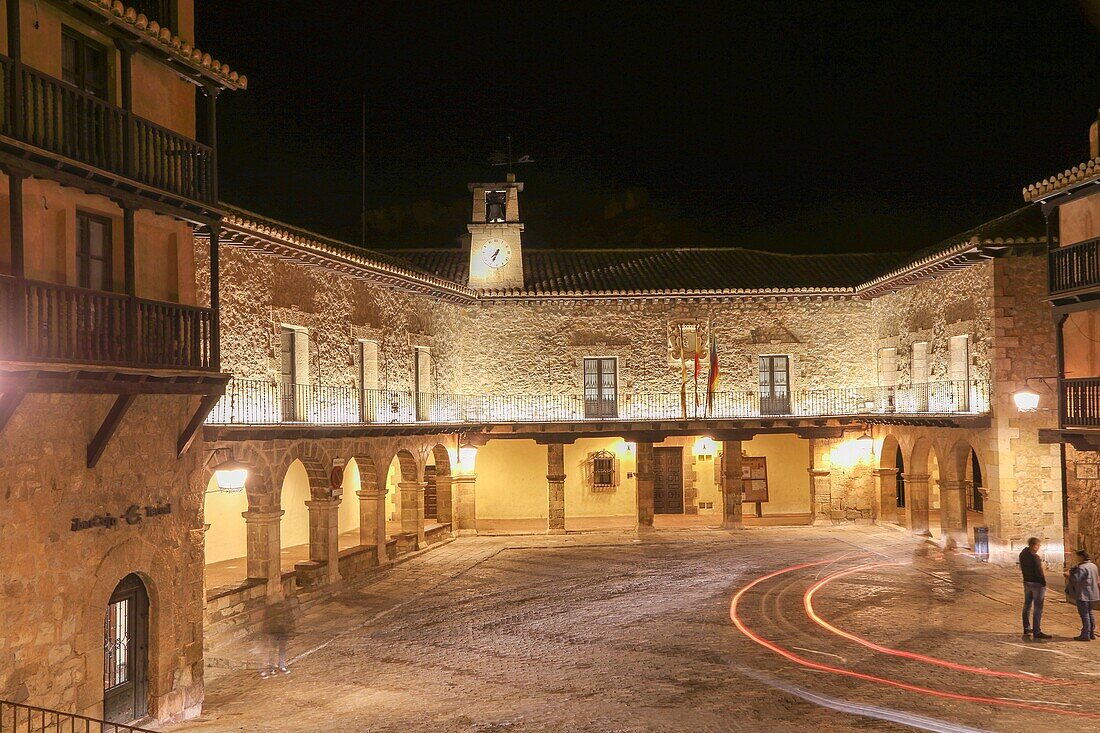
496,253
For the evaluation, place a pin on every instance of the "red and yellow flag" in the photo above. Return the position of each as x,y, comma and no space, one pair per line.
683,376
712,379
698,365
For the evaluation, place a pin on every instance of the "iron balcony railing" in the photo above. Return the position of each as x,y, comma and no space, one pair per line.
261,402
57,117
1080,403
18,718
1076,267
58,323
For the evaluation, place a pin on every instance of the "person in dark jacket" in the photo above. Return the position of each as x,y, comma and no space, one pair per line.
1083,589
1035,589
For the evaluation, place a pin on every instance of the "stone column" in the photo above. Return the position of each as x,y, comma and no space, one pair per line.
262,546
821,496
643,475
953,513
464,509
916,503
443,511
555,488
372,521
733,490
412,510
324,535
887,482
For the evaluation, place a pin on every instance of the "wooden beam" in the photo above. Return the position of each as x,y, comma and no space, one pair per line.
206,404
8,404
108,428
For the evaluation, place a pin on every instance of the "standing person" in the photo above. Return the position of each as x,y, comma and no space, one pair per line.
1035,588
1084,590
278,626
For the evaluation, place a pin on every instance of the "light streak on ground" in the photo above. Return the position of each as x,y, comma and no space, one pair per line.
886,681
922,722
808,603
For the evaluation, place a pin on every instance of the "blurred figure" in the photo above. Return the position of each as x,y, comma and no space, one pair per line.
277,628
1035,589
1082,588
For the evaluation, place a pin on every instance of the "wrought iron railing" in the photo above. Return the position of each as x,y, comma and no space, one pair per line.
18,718
58,323
1081,403
1075,267
261,402
57,117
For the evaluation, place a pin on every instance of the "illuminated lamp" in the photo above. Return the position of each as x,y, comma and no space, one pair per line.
865,442
231,476
1026,400
467,455
704,447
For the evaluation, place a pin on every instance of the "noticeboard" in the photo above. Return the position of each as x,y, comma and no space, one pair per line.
754,478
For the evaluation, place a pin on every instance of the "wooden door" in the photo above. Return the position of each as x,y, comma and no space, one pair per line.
125,652
430,496
600,388
668,480
288,377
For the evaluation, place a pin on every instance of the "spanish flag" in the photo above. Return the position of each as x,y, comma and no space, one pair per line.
712,379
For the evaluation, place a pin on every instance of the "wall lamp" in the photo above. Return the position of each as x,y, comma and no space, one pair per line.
1027,399
229,474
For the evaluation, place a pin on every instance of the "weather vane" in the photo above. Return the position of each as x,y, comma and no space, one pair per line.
500,158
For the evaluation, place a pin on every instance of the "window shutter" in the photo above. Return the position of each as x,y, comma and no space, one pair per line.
301,356
368,365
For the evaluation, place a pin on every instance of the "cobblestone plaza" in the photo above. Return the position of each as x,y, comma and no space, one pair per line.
626,632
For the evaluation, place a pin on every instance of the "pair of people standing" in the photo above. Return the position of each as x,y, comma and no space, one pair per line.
1081,587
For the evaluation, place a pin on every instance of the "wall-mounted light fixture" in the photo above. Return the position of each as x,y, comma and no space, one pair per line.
1027,399
467,455
230,474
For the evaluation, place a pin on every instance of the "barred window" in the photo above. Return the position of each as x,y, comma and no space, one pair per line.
602,469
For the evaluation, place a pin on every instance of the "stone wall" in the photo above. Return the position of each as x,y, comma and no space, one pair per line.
1083,494
260,292
514,347
57,582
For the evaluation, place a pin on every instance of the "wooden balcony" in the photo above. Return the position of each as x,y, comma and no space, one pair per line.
60,119
48,323
1074,272
1080,403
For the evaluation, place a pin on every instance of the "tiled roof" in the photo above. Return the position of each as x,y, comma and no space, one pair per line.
1075,176
649,270
181,50
738,271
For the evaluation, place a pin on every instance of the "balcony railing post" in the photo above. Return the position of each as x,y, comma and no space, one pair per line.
126,67
133,346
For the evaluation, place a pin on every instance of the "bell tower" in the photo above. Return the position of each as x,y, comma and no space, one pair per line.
496,257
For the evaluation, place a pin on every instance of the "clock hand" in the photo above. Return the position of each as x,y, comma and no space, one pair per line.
494,257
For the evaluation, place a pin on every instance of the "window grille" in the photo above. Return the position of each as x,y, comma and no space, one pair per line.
602,471
116,648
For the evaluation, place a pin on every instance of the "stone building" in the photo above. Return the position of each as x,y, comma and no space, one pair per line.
385,400
108,356
1070,393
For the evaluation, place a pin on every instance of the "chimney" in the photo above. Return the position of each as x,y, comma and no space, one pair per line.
1094,138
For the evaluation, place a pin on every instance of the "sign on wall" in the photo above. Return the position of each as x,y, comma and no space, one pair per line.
134,514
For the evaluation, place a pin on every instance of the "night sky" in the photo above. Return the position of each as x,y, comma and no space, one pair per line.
794,126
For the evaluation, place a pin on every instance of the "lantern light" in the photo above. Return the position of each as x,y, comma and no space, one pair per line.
1026,400
467,455
231,476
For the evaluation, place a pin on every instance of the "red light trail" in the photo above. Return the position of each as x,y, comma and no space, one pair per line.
810,664
807,601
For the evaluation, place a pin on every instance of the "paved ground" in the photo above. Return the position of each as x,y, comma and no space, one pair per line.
615,632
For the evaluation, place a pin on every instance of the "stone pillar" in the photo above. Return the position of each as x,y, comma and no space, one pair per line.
464,509
643,475
733,490
886,480
262,546
821,496
953,513
412,510
324,535
916,503
555,488
372,521
443,511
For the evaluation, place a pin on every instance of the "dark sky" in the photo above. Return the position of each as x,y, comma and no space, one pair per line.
797,126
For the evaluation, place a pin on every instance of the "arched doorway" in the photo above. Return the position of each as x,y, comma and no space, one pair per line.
891,480
126,652
975,484
437,485
899,479
294,524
